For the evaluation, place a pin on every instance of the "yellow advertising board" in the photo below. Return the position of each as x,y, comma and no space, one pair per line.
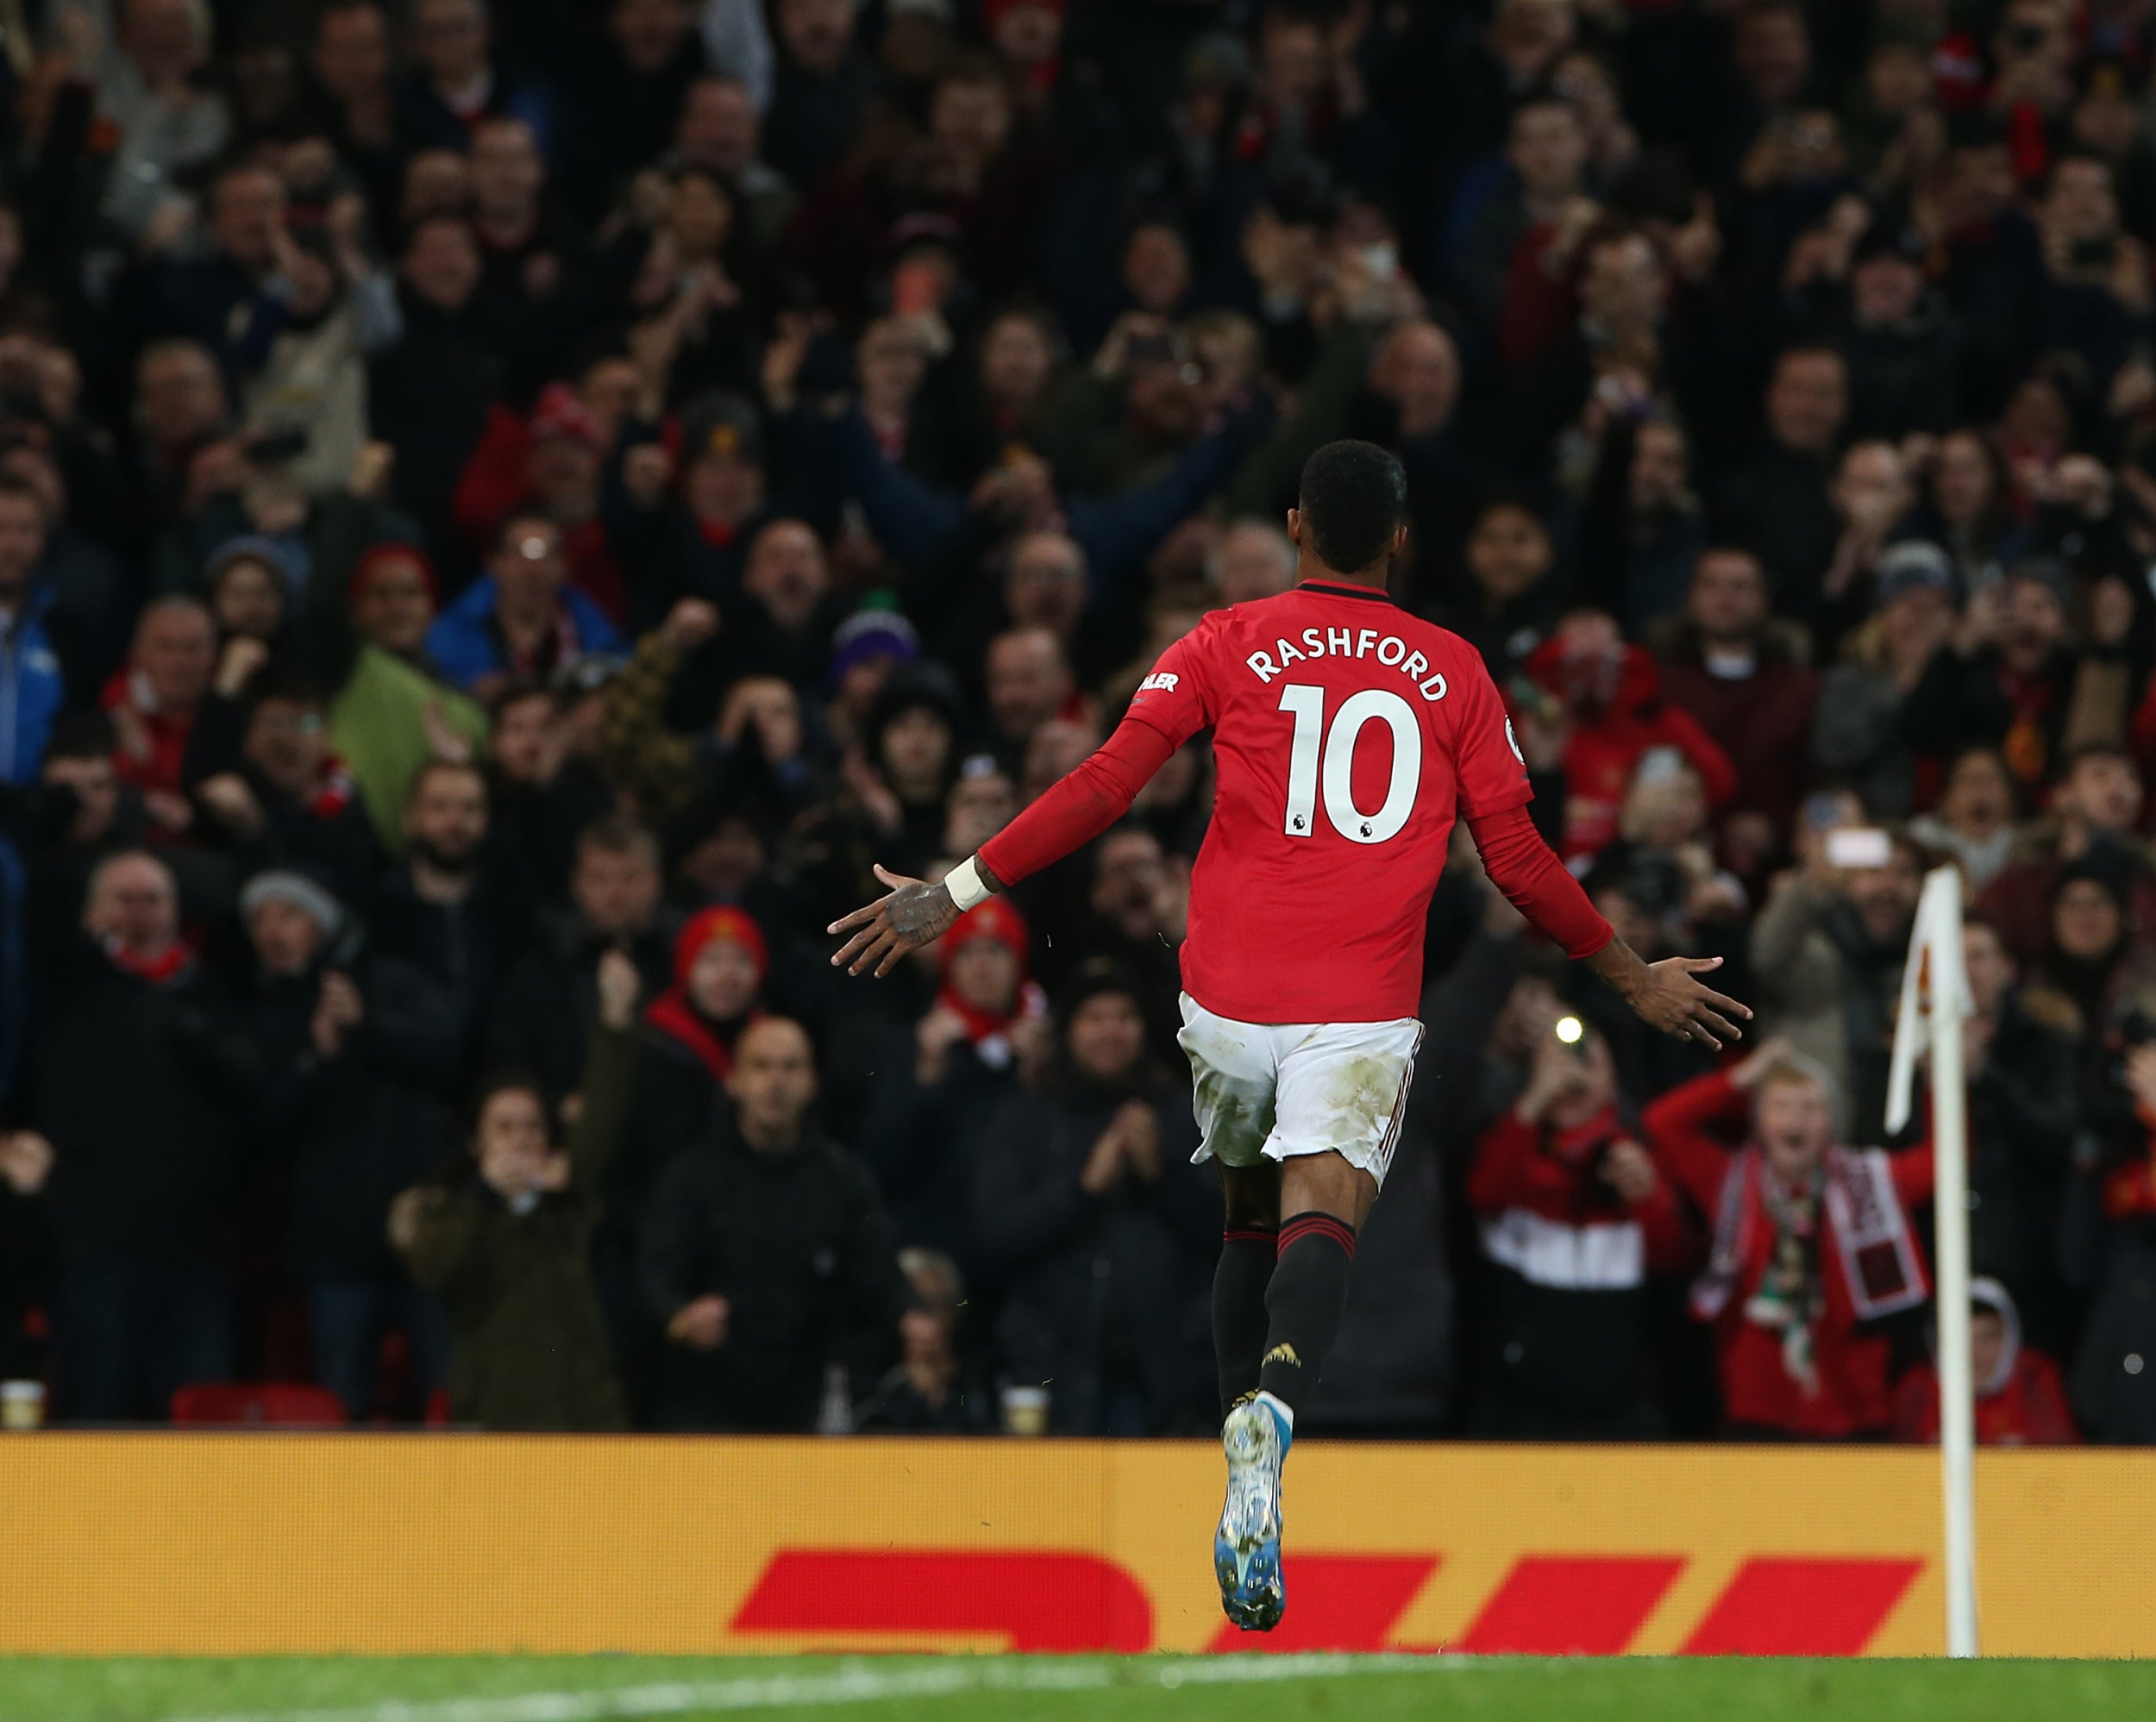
254,1544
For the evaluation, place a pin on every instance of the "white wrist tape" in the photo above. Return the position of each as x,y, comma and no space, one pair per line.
963,882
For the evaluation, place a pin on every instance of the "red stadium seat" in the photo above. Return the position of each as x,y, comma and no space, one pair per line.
267,1405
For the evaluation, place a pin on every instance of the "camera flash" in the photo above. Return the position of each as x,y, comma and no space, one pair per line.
1569,1029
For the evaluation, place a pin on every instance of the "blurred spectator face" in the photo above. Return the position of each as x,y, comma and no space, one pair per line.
984,973
1254,561
699,217
1963,482
726,863
1028,34
1016,362
2087,921
971,115
1292,59
528,566
1156,268
766,709
526,739
1990,970
1629,917
1806,401
162,37
1107,1037
1987,1346
1979,797
180,396
507,173
773,1080
1621,286
719,128
722,981
1885,897
1028,682
2034,34
395,606
1898,79
1045,584
286,744
21,541
175,651
352,54
1665,807
1728,600
95,784
2081,204
1872,488
1979,184
247,600
1661,466
2106,119
649,32
286,938
1507,551
1884,289
1529,1012
891,360
451,41
981,804
721,489
816,34
562,468
1127,880
511,1142
2033,625
2102,792
917,748
445,821
1418,369
246,216
616,891
133,901
1547,149
437,182
1596,1091
1773,55
1585,84
1528,35
441,264
786,573
1794,1123
608,392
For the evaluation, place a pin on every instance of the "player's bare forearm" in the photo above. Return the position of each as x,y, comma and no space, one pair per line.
912,913
1665,995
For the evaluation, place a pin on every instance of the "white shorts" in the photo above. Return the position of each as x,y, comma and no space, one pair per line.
1266,1091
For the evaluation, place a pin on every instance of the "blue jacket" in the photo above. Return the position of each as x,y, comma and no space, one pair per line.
466,645
31,691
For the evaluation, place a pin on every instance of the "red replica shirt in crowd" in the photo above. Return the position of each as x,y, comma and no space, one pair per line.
1346,736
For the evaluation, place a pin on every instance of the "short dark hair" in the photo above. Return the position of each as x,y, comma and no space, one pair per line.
1353,498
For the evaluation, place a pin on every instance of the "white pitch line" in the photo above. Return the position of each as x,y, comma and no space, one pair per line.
856,1685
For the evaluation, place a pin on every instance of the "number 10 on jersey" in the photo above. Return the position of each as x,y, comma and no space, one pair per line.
1323,758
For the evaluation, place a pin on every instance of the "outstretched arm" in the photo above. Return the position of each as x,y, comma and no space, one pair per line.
1663,995
1073,812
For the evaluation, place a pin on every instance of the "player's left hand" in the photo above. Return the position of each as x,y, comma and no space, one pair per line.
1672,1001
913,914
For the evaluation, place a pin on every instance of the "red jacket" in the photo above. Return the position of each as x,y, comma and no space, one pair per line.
168,732
1526,1167
2029,1410
1604,748
493,484
1688,1128
1762,724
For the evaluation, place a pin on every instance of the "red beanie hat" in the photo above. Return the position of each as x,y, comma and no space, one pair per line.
708,926
994,919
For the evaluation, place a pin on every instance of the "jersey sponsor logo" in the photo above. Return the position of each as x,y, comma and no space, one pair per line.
1389,650
1161,681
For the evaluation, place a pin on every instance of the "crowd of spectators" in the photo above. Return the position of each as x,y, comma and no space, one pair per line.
506,517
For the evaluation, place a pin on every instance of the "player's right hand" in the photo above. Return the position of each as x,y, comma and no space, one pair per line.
913,913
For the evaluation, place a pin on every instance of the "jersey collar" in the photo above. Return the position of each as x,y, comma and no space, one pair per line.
1332,589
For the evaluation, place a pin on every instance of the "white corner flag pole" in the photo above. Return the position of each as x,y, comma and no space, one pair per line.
1935,1002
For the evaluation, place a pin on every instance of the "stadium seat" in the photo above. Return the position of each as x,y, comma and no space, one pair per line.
269,1405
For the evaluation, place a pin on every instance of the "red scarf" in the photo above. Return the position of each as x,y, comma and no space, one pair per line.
172,963
984,1026
672,1014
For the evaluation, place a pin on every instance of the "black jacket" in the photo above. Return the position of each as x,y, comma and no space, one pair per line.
797,1245
548,1001
1103,1291
140,1087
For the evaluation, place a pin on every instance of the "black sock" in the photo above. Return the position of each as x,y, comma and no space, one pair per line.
1239,1319
1308,1293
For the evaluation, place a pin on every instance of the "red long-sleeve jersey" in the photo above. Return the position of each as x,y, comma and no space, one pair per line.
1347,735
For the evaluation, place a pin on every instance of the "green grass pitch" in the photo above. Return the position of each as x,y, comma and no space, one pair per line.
1059,1689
